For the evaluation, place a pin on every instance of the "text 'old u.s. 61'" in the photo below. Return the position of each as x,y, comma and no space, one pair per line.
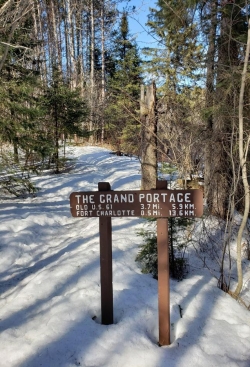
150,203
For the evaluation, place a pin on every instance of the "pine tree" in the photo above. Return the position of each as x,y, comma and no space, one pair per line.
67,111
178,244
177,58
20,109
124,90
20,83
177,67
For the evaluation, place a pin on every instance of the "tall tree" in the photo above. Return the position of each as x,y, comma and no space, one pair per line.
124,91
244,141
20,109
92,67
66,110
177,66
221,176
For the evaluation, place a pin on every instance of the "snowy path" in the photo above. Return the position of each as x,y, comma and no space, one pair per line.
50,286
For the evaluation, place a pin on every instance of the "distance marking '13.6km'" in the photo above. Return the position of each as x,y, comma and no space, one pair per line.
144,203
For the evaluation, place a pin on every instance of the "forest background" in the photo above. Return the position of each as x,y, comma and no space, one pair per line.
72,71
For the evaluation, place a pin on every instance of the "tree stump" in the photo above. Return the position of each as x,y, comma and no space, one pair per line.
148,117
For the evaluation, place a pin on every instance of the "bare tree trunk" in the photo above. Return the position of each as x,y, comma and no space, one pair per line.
66,42
40,48
243,151
34,16
219,176
210,98
52,35
70,44
79,50
148,137
92,69
58,36
103,72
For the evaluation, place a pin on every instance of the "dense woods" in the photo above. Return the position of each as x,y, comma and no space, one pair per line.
71,71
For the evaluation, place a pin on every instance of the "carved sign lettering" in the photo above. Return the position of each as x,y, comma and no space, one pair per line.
144,203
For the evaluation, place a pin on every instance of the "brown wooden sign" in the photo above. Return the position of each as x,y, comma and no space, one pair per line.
161,204
143,203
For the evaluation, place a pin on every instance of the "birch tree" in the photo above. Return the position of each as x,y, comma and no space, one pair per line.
244,140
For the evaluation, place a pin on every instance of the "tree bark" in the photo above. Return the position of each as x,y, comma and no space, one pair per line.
219,176
210,98
243,151
79,50
103,71
70,45
148,137
92,70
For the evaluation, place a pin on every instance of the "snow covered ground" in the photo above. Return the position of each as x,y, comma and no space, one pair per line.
50,286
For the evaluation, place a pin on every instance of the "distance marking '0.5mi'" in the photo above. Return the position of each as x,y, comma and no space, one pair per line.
143,203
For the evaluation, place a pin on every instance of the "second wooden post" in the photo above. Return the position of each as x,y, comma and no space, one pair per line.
163,275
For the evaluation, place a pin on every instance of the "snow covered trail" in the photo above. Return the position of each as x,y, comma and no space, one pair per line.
50,286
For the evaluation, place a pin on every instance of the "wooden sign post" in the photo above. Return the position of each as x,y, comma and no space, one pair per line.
106,272
161,204
163,276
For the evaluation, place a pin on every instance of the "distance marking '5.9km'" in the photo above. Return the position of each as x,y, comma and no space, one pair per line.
144,203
